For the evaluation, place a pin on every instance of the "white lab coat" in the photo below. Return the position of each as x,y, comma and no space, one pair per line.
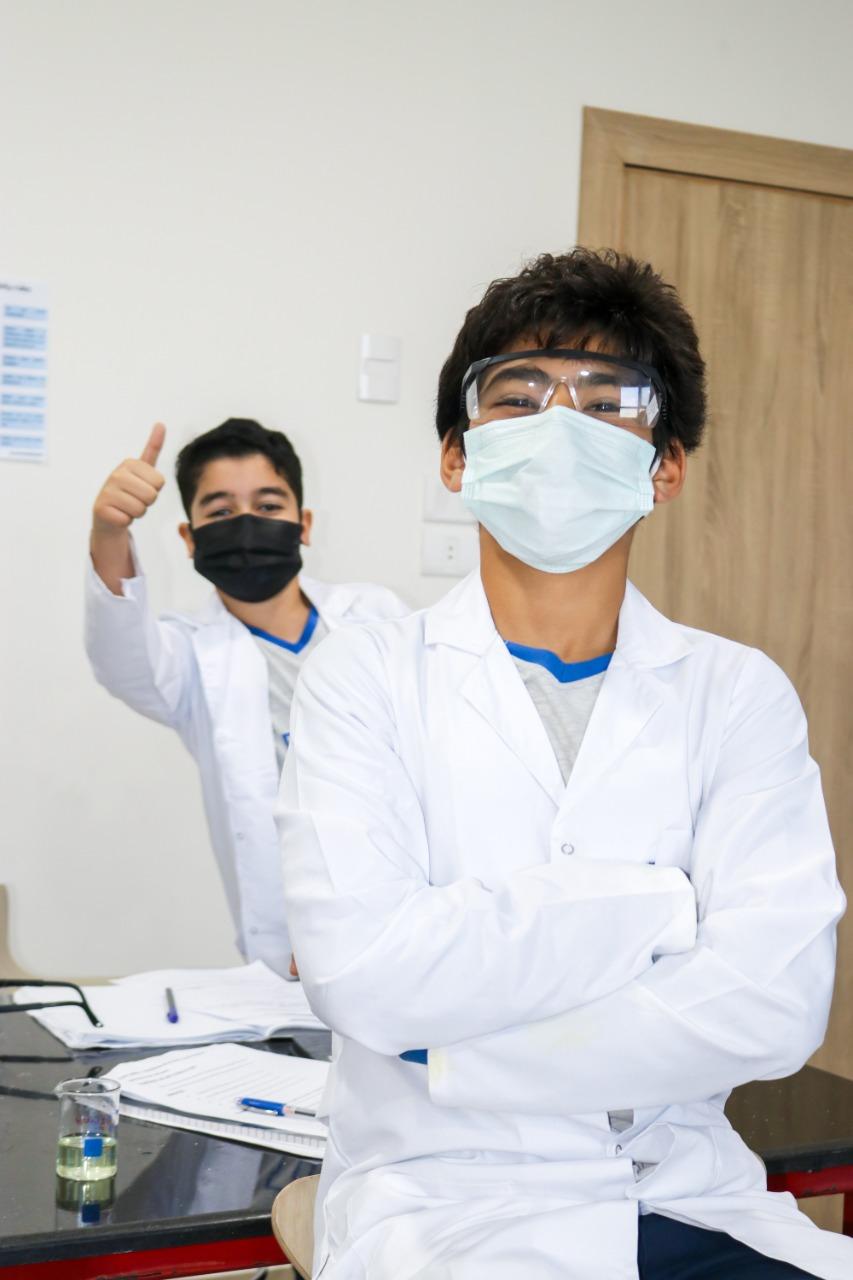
447,891
204,676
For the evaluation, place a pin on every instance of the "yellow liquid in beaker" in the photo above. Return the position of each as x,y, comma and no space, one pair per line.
86,1158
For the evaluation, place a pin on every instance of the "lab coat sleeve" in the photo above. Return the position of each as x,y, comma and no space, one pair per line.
396,963
750,1000
145,662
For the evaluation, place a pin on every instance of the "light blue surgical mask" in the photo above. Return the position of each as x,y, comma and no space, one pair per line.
557,489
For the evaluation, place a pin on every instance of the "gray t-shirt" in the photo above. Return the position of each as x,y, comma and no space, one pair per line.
564,694
284,662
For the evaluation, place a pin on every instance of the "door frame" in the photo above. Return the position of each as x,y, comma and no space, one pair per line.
614,141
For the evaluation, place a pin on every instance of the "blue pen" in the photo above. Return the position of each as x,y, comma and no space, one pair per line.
171,1007
273,1108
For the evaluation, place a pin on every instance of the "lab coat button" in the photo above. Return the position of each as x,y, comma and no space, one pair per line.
239,835
567,848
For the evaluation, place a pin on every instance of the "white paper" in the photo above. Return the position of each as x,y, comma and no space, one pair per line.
130,1021
207,1083
251,994
24,317
246,1003
293,1144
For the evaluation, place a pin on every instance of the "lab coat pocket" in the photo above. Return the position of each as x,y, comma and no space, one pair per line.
674,848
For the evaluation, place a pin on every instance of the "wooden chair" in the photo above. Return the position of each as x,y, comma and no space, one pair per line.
9,968
293,1223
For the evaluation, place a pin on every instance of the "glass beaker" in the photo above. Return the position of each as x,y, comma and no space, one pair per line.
88,1125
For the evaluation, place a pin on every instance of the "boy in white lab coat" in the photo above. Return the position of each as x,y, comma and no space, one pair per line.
557,869
224,678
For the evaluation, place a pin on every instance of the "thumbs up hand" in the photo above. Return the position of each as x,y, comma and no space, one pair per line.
131,489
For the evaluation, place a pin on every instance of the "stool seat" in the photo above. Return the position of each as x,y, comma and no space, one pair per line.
293,1223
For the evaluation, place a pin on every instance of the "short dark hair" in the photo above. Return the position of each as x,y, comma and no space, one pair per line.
236,438
582,297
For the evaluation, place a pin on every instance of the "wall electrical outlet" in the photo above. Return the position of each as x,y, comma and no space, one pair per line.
449,550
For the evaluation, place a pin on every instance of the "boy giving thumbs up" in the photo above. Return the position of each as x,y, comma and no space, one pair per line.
223,679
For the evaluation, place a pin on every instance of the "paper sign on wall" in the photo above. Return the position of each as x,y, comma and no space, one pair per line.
23,370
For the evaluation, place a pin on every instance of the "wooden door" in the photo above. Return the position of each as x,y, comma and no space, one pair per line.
757,235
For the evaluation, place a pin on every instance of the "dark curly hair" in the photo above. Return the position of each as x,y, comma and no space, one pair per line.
236,438
576,299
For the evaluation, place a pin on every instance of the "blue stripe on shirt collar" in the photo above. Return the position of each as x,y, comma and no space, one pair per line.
296,647
565,672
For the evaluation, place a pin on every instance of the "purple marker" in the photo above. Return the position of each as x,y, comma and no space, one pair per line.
171,1007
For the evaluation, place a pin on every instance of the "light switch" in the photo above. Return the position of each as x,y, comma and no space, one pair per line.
379,369
450,550
442,505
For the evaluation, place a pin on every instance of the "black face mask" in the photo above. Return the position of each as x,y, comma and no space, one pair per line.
248,557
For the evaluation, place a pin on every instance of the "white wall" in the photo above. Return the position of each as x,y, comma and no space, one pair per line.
222,195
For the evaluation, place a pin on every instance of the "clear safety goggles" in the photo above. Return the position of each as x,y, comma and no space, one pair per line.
613,389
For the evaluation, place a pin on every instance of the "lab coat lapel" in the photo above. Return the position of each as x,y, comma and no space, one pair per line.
332,602
631,692
235,681
626,702
236,689
492,686
497,691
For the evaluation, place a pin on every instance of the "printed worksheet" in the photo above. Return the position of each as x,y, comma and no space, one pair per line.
24,317
202,1088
